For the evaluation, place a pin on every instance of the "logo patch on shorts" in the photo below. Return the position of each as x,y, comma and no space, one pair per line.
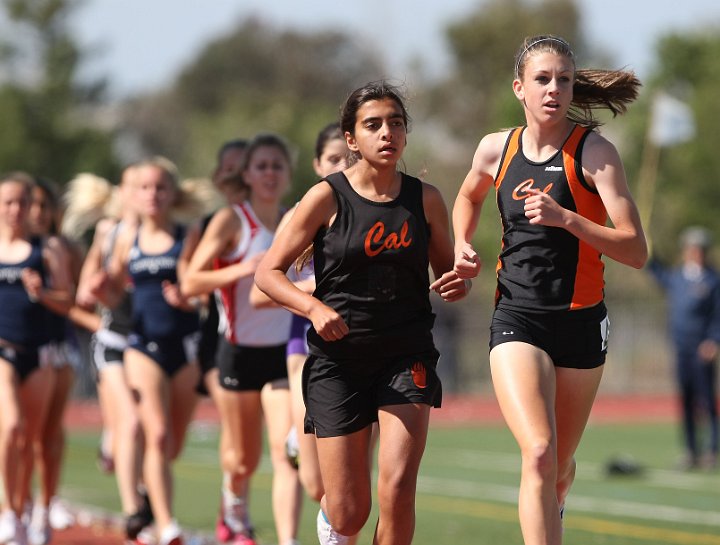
419,374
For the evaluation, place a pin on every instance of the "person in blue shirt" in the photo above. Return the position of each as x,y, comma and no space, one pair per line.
693,291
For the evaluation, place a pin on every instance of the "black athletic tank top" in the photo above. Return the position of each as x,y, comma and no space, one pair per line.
544,268
371,266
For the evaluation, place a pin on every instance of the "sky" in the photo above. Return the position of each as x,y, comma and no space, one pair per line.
140,45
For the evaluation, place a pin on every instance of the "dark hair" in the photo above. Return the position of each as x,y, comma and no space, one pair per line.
593,89
236,144
330,132
52,193
266,140
231,180
375,90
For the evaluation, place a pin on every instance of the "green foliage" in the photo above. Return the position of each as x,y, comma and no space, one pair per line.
477,98
484,46
255,79
45,131
688,67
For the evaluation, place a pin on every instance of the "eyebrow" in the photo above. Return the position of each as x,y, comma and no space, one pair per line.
379,118
543,71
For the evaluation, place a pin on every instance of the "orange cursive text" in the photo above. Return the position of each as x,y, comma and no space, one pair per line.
520,192
376,242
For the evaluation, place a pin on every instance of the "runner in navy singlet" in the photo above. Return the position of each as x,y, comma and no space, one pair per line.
61,357
160,361
33,280
121,422
557,182
375,232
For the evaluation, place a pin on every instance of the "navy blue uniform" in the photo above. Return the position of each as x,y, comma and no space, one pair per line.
694,316
166,334
22,321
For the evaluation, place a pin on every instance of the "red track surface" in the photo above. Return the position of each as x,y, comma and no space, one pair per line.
458,410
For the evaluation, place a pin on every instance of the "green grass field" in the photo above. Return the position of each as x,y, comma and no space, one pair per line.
468,487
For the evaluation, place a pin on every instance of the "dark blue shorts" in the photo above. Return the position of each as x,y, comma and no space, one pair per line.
171,354
576,339
342,397
24,359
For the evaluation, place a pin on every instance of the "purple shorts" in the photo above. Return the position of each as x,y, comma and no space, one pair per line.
297,344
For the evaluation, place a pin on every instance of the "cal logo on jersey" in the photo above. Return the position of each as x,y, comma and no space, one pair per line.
376,241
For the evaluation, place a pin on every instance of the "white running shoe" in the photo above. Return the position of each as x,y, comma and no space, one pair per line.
171,534
60,516
235,513
12,531
145,537
292,447
39,531
326,534
8,521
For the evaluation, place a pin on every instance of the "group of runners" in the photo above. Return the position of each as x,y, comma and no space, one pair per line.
315,323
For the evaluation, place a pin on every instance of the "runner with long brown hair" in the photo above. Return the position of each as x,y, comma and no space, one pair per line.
557,182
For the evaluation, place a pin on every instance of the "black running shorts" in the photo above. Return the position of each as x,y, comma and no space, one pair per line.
576,339
342,397
244,368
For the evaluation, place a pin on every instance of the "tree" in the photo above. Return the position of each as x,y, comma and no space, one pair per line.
258,78
687,68
484,44
45,109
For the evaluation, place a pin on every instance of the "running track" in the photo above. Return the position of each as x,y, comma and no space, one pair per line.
457,410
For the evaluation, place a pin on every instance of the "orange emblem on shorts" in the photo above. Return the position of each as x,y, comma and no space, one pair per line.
419,374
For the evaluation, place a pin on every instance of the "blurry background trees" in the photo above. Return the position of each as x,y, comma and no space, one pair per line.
49,123
259,77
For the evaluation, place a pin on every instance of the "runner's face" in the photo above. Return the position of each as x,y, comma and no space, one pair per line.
546,89
267,173
154,191
332,159
41,212
14,204
230,162
380,132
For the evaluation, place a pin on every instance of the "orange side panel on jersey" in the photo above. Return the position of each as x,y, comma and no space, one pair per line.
512,148
588,290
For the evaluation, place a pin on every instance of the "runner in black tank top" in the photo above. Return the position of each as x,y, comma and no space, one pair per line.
371,266
374,230
554,181
547,268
